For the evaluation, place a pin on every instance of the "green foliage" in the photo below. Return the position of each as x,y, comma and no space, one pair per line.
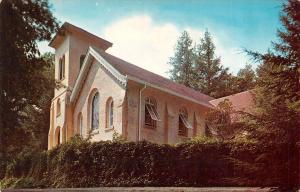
182,62
81,163
224,122
276,122
199,68
246,79
203,140
209,75
118,137
22,74
36,118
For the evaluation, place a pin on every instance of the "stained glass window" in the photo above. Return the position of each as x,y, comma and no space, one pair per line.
95,112
111,113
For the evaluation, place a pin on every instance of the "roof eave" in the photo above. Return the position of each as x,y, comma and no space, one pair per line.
170,92
68,27
88,60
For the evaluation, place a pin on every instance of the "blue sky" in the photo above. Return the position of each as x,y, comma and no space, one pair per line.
145,32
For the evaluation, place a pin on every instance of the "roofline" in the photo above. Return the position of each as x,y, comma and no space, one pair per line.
88,60
169,91
67,26
229,96
121,78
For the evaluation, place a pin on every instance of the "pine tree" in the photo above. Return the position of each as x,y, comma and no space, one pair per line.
182,62
276,125
245,79
211,77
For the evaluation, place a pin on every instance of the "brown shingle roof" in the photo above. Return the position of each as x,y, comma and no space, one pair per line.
129,69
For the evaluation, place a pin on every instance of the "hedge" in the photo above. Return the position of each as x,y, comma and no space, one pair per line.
80,163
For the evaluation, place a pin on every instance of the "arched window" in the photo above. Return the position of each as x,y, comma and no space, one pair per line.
183,123
58,107
151,115
61,72
80,124
81,61
109,113
95,112
57,136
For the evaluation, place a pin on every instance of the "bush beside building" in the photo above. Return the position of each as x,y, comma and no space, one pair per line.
80,163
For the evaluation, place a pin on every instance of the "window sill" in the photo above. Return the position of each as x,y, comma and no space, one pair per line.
108,129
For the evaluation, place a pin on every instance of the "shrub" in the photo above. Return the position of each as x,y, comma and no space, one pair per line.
80,163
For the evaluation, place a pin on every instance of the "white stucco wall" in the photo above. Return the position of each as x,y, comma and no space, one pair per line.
98,79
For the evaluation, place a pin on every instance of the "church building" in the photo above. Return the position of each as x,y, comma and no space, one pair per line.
99,94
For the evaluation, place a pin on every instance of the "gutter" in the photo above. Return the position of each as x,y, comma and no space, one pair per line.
140,113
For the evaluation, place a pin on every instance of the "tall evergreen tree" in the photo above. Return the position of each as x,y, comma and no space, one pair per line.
243,81
211,77
246,79
182,62
23,23
277,123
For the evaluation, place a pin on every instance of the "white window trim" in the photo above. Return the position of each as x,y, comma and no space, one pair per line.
110,124
152,111
185,121
91,118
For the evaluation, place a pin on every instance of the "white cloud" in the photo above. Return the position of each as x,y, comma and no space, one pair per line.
141,41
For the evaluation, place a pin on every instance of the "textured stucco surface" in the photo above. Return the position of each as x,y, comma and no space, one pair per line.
168,106
98,80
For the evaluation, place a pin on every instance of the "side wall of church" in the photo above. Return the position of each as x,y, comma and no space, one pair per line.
168,106
57,131
98,80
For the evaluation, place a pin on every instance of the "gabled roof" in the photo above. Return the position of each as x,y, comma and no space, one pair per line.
136,73
123,71
242,101
69,28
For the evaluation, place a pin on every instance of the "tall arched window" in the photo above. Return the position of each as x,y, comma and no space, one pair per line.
58,107
81,61
183,124
80,124
109,113
151,115
95,112
57,136
61,72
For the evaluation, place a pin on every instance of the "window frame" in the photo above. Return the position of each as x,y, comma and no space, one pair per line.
61,68
93,128
109,113
81,60
58,107
183,124
150,113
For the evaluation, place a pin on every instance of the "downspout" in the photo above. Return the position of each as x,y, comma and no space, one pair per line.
140,112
